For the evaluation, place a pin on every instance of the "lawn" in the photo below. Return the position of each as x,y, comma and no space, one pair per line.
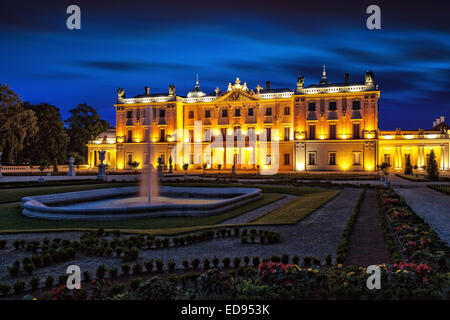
298,176
296,210
443,189
11,219
286,189
419,178
15,195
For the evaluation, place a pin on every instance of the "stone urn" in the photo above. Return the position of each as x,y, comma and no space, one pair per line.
71,172
101,167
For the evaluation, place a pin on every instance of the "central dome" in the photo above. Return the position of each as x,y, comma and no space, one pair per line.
197,92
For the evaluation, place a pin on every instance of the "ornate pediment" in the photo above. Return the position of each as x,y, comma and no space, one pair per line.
238,95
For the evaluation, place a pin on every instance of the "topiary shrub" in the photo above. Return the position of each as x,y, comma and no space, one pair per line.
255,261
100,272
49,282
171,265
5,289
148,265
284,258
34,282
246,260
86,276
215,262
226,262
125,268
3,244
236,262
159,265
134,284
185,265
137,268
113,272
296,260
19,286
195,263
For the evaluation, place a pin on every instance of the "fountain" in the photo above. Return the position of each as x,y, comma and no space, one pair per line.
147,201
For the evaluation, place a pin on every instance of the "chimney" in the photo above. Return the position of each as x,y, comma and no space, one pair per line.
442,119
147,91
267,85
346,78
434,123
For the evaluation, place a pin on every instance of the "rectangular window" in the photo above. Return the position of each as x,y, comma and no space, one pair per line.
237,112
191,135
191,114
332,158
162,135
191,158
356,158
287,111
162,113
311,158
207,114
250,112
130,158
332,128
130,136
224,113
356,134
332,106
268,111
129,114
286,159
287,133
356,105
312,132
311,106
387,158
268,134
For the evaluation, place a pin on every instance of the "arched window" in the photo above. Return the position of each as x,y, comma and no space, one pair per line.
312,106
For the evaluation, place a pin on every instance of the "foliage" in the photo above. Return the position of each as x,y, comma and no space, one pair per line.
432,167
17,124
408,167
84,124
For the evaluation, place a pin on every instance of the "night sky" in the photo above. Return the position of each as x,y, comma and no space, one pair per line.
132,44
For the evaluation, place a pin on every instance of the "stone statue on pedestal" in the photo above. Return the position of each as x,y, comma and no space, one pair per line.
101,167
1,164
170,164
71,172
160,167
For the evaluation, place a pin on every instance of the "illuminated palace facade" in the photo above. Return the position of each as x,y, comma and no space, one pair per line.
324,127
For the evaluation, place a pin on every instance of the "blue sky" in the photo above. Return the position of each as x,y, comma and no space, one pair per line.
132,44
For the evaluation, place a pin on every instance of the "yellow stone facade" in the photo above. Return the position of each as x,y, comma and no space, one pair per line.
323,127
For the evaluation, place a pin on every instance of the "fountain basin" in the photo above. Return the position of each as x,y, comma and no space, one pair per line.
94,204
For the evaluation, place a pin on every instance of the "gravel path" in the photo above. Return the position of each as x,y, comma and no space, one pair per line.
261,211
317,235
432,206
367,245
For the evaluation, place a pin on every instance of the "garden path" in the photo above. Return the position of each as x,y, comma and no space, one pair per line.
430,205
261,211
367,246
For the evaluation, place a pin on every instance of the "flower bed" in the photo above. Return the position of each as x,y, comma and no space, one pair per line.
272,280
416,240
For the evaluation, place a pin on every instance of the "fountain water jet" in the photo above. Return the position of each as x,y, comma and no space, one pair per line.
149,181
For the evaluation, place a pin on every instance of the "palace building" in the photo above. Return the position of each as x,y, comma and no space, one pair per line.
324,127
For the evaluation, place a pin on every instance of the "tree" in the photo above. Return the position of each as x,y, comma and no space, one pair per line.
432,167
16,124
84,123
408,166
51,141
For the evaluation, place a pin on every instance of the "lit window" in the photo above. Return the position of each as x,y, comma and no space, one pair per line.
332,158
311,158
356,158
